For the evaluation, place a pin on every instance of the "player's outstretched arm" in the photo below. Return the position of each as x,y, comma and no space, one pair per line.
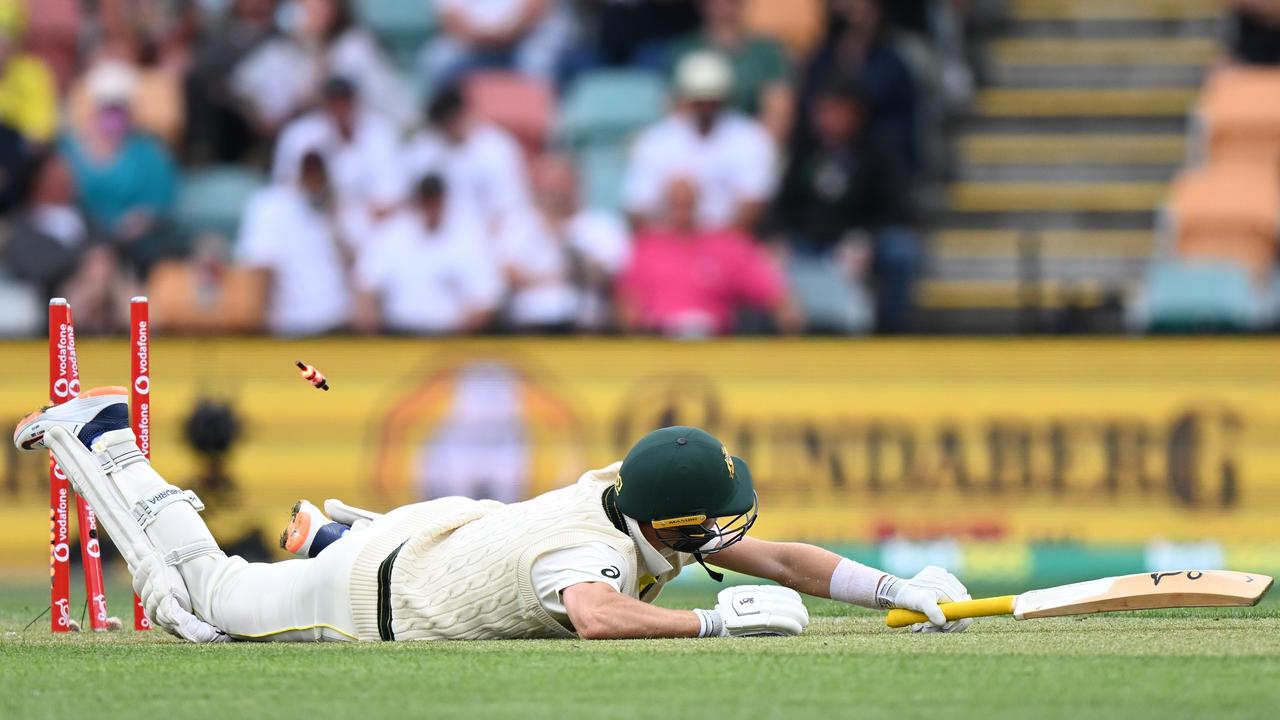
799,566
814,571
598,612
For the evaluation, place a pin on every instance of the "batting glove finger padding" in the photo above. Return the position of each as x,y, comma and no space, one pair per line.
169,615
164,597
749,610
923,592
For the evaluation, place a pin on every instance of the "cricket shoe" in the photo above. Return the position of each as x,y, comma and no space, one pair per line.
310,531
89,415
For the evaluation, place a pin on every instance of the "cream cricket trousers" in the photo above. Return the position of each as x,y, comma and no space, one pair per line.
298,600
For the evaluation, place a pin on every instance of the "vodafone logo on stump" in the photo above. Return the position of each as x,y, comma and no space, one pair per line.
142,360
141,405
61,549
67,382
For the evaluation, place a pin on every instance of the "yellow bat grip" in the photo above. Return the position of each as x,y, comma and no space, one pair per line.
985,607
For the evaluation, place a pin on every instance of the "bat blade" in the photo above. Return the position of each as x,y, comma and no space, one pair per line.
1146,591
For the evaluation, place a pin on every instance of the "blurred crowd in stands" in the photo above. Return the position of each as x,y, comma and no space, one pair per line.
1219,232
302,167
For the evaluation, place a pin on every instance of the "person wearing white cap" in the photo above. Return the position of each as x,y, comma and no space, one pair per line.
729,156
125,180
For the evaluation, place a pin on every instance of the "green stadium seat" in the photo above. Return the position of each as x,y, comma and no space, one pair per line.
213,199
600,172
831,303
608,106
1197,297
401,25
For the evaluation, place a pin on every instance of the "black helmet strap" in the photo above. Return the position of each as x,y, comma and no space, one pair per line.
718,577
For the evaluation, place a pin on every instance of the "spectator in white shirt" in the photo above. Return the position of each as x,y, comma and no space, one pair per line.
481,163
730,157
560,260
529,36
319,38
290,233
426,271
360,149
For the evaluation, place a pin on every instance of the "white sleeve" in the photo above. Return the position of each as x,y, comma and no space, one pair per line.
257,244
479,271
419,157
271,79
602,236
756,162
592,562
371,273
643,182
389,184
511,191
289,151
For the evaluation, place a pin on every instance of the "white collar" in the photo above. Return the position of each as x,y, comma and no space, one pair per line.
654,561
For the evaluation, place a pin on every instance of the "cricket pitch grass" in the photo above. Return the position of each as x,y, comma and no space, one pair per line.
1212,663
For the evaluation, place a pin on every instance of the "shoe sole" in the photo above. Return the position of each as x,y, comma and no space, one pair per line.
293,537
51,412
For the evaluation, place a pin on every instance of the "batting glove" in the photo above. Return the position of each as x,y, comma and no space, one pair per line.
922,593
163,595
750,610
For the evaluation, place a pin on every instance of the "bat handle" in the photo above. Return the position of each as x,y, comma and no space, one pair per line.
985,607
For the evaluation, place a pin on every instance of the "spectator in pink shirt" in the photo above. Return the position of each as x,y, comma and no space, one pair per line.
688,282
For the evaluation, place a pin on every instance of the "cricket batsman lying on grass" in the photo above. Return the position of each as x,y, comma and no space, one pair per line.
586,560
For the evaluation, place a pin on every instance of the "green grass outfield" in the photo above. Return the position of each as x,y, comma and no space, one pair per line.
1170,664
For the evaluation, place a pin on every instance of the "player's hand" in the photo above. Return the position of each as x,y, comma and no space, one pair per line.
163,596
171,616
749,610
922,593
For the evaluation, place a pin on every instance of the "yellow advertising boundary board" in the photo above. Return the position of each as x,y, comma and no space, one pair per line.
1114,441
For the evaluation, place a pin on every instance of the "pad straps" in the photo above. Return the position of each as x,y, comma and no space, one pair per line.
117,456
146,510
191,551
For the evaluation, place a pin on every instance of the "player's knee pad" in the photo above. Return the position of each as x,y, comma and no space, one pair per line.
136,504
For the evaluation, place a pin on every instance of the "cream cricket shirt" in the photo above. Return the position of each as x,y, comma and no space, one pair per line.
595,562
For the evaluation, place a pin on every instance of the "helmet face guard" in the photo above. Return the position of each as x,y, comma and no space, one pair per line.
701,535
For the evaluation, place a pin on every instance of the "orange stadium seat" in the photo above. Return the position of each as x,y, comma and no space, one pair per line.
1241,113
522,105
798,24
1229,212
180,304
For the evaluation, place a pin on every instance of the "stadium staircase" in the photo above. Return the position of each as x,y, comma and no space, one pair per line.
1070,148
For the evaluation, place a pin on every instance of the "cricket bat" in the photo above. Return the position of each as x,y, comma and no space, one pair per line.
1146,591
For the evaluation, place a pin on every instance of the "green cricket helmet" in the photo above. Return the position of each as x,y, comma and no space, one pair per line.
683,481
